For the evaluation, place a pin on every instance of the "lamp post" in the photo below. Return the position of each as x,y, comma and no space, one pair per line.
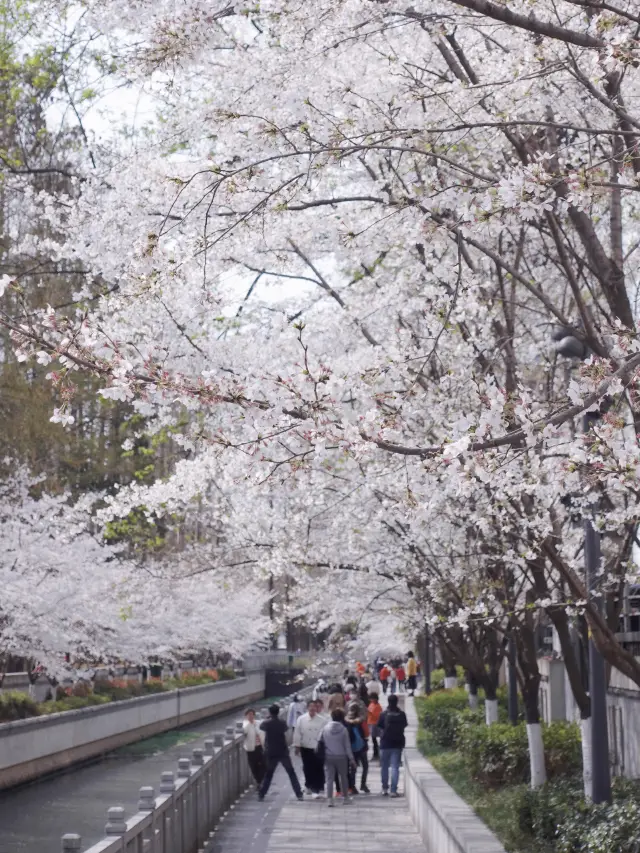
601,771
568,345
426,663
513,682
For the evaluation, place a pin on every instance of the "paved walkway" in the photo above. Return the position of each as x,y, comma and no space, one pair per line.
370,824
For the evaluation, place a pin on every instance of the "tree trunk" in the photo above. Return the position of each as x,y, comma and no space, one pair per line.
450,678
534,733
473,691
491,711
587,763
536,755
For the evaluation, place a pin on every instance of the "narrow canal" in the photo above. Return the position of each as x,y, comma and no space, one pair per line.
34,817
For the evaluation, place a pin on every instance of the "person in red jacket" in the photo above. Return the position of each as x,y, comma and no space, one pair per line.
373,715
385,672
401,676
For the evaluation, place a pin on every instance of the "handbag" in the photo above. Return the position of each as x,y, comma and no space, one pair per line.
320,750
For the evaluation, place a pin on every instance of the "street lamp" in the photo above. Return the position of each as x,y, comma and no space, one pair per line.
571,347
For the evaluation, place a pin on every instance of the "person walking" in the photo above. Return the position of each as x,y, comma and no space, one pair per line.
384,674
412,673
253,746
373,686
305,741
393,679
296,709
358,733
392,724
373,716
353,695
277,752
401,676
335,747
336,698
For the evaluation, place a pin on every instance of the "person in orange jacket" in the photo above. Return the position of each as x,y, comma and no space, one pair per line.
385,672
373,715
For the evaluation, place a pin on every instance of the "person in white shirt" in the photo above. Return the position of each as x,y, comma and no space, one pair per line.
253,746
296,709
305,740
374,686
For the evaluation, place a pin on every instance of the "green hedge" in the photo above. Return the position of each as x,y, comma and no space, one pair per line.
558,816
15,705
439,714
71,703
437,678
499,754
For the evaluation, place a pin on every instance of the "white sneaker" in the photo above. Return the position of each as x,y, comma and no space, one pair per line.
315,796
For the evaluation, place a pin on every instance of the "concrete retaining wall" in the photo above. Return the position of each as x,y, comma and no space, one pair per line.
445,822
33,747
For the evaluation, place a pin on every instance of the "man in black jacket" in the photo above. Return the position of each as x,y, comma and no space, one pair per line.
392,724
277,752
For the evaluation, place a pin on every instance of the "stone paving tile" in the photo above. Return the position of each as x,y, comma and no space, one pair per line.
370,824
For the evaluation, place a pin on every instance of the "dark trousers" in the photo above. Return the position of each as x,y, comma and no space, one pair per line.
412,683
374,742
385,684
313,770
256,764
272,764
361,759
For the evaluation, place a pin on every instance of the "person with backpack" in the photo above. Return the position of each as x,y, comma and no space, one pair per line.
334,749
391,724
358,733
277,752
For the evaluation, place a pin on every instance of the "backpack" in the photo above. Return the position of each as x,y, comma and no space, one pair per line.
357,741
394,727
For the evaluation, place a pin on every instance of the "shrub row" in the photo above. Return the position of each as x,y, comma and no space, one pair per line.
498,754
557,815
15,705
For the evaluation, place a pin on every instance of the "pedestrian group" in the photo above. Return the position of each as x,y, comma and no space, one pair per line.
335,744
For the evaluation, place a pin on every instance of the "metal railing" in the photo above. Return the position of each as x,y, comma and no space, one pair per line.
190,803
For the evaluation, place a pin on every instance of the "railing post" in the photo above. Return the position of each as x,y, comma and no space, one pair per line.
168,786
71,842
184,768
209,749
147,801
115,821
167,782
